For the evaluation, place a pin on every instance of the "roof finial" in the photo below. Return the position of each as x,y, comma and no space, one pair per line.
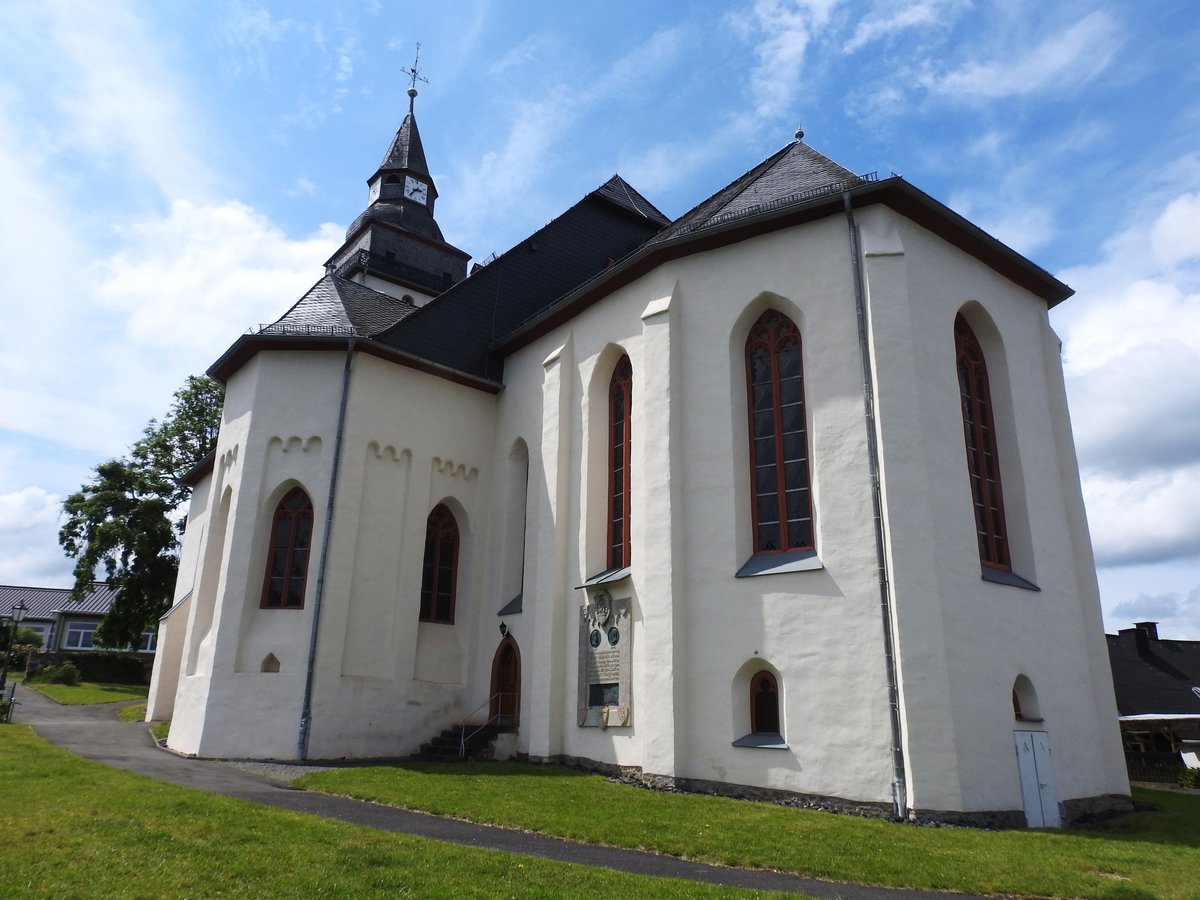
414,75
800,133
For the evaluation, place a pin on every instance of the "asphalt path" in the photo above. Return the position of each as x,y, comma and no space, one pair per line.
96,733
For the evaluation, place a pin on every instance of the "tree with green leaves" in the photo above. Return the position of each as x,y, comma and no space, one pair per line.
124,519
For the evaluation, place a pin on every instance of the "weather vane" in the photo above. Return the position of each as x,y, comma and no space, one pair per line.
414,75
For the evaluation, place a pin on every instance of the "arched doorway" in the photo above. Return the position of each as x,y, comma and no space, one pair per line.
506,684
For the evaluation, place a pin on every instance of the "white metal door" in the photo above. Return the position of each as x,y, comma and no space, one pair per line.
1036,768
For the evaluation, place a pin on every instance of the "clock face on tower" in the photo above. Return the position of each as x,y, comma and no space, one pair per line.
415,190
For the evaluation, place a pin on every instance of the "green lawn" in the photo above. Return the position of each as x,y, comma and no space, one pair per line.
75,828
1153,854
90,692
135,712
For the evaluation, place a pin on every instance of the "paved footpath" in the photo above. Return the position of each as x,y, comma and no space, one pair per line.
96,733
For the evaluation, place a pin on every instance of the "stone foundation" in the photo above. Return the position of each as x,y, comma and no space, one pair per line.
1079,811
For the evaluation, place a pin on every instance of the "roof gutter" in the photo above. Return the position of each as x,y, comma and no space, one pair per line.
899,776
306,706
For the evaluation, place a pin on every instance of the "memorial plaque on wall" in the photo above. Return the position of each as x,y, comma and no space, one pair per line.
605,639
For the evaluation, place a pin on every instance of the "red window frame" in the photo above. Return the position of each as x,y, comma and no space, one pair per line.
780,495
439,572
286,575
983,461
764,704
620,403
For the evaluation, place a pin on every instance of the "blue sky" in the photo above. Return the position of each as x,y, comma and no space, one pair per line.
172,173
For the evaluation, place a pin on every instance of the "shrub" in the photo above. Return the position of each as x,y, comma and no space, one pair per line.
1189,778
63,674
110,667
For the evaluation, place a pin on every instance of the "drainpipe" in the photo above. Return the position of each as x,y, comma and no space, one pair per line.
899,781
306,711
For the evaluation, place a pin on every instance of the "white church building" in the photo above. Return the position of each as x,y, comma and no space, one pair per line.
779,498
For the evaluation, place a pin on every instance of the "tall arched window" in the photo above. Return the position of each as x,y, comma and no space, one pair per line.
983,463
287,562
764,704
440,571
620,403
778,436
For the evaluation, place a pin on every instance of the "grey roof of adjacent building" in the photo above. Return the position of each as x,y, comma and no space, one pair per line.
337,306
46,603
1154,675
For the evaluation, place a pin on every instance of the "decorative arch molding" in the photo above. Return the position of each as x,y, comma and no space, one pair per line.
388,452
293,443
447,466
229,457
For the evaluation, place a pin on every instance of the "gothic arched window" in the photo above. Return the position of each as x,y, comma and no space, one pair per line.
983,463
764,704
440,571
779,477
620,402
287,560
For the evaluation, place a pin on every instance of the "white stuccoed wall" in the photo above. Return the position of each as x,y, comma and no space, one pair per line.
385,683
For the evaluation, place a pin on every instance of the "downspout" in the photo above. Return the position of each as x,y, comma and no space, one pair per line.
899,780
306,710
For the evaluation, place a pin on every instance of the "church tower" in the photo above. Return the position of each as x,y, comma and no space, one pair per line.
395,245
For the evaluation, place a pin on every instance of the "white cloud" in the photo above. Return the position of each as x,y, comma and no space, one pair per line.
121,101
890,18
184,281
1150,518
1061,61
1175,237
1131,353
781,31
29,534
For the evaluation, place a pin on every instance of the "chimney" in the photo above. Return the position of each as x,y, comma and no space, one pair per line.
1144,633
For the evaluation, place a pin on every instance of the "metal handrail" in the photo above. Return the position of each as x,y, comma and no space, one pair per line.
463,736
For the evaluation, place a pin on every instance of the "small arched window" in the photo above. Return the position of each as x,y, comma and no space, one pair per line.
983,462
620,402
764,704
1025,701
779,475
287,562
440,570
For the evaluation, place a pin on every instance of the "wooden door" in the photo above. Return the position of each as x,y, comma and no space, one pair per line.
506,684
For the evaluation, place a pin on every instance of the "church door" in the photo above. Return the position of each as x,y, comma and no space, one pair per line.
506,684
1037,779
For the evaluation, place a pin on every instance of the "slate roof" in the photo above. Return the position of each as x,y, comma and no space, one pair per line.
43,603
1152,675
458,328
338,306
406,150
795,173
620,192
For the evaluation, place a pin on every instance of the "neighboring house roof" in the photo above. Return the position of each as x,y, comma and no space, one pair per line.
1153,676
45,603
338,306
